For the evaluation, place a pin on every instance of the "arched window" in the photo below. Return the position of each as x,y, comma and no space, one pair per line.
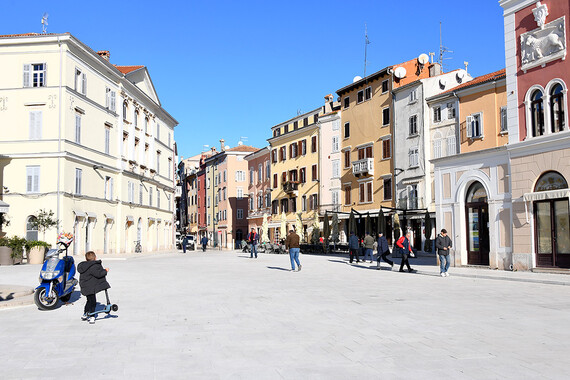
537,113
551,181
556,108
476,193
136,121
31,230
451,145
125,108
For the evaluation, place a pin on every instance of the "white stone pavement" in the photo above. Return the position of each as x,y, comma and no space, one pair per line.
221,315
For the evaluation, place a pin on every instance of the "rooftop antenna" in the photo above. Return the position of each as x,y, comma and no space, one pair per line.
442,50
299,112
366,43
44,23
205,147
431,54
242,139
466,65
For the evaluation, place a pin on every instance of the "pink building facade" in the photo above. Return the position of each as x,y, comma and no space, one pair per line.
259,189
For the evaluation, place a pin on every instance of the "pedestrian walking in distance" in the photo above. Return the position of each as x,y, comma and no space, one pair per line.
369,247
252,238
353,246
383,250
92,281
204,242
184,243
405,247
443,244
292,244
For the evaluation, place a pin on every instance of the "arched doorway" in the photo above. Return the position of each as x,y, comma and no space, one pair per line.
31,229
477,214
551,215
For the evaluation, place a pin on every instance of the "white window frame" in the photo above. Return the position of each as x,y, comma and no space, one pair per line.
451,112
78,181
35,125
109,188
80,81
413,119
413,96
389,116
473,121
335,168
239,193
335,144
413,157
110,99
140,194
78,128
107,139
32,179
33,77
336,125
504,121
451,143
437,112
367,90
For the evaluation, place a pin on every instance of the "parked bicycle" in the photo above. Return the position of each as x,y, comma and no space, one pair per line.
138,246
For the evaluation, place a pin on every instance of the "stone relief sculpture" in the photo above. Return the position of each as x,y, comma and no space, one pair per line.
543,45
540,13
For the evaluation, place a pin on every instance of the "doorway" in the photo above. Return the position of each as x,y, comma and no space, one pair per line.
477,214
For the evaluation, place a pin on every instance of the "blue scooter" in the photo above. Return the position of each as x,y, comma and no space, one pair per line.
57,278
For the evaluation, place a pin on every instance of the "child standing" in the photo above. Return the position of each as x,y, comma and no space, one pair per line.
92,281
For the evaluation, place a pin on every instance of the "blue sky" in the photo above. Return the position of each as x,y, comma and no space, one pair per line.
232,69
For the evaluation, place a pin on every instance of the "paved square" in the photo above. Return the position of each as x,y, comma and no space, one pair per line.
222,315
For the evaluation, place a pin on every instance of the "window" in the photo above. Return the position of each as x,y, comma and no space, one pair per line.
556,109
293,204
368,93
303,147
365,192
413,157
303,175
107,140
110,99
259,200
35,75
335,144
305,122
304,203
295,125
451,146
346,130
78,128
274,207
250,176
504,126
267,171
313,202
35,125
384,86
437,114
169,167
259,173
315,118
78,180
275,181
32,179
274,156
286,128
313,144
360,97
125,110
413,199
150,196
130,191
146,124
240,176
386,116
225,193
437,146
293,150
361,192
285,205
282,154
80,81
251,201
474,125
347,102
335,168
157,131
268,199
365,152
158,161
136,119
169,138
386,148
140,194
314,175
157,198
336,125
225,174
239,193
387,188
450,111
109,188
413,95
347,158
293,175
335,197
413,125
347,195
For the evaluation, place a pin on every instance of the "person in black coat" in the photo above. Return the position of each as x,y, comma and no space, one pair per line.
92,281
383,250
443,245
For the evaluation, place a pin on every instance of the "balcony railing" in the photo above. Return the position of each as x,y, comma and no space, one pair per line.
290,186
365,166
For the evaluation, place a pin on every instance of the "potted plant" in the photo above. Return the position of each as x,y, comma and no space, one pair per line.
43,220
5,251
36,251
17,244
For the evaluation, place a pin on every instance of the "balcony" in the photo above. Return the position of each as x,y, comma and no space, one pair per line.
365,166
290,186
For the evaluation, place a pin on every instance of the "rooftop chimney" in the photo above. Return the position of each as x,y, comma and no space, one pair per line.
104,54
223,145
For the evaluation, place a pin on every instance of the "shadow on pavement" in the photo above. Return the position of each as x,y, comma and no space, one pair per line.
279,268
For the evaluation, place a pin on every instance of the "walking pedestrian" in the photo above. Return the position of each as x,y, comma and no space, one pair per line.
184,243
353,246
368,247
443,244
252,238
405,247
292,244
204,242
383,250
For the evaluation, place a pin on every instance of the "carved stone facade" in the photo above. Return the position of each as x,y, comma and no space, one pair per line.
544,44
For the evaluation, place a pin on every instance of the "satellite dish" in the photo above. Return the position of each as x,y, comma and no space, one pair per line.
356,79
400,72
423,59
442,82
461,74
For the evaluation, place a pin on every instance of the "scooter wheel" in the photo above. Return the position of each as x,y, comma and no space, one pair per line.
114,307
44,303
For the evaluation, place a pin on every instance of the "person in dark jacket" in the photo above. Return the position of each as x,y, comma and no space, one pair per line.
92,281
353,246
292,244
184,243
406,248
383,250
252,239
204,242
443,244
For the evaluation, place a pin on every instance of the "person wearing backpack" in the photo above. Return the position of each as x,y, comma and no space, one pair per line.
405,247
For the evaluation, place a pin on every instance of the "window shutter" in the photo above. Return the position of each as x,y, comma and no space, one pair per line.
84,84
369,191
107,98
27,70
468,125
111,191
44,81
361,188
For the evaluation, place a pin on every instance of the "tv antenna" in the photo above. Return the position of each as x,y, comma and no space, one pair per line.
44,23
442,50
366,43
242,139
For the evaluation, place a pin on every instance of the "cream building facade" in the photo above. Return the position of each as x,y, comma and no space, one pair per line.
88,140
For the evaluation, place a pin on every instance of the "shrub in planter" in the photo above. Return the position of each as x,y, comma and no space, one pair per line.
17,244
36,251
5,252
